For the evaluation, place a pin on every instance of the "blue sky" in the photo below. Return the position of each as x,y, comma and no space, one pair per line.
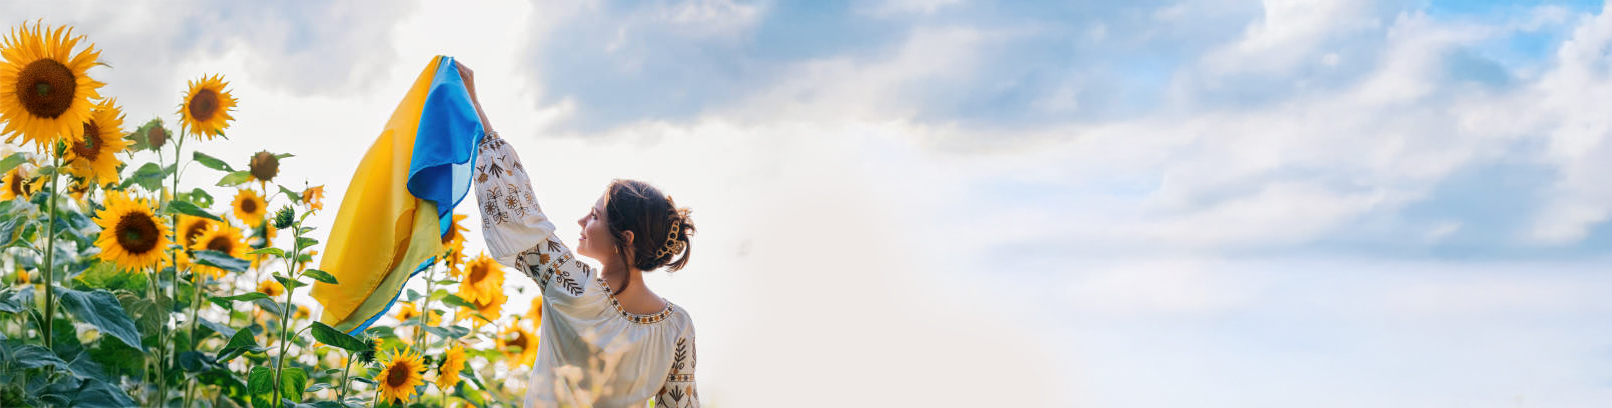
1136,204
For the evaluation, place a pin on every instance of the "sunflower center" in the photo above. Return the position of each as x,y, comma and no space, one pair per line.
137,233
519,341
397,375
89,147
46,88
221,244
249,206
204,105
194,231
477,273
15,181
156,137
453,231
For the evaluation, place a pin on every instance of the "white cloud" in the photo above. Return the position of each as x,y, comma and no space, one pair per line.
848,232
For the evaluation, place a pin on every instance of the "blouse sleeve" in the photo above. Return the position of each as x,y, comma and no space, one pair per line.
516,231
679,391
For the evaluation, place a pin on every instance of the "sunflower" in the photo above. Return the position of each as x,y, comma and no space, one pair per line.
270,287
264,166
535,314
206,109
483,277
45,89
132,236
94,155
518,344
22,277
18,185
190,228
223,238
78,189
400,373
249,207
452,362
302,312
314,197
454,242
489,308
406,311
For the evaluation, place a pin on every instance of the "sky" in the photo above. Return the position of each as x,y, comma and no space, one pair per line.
1206,203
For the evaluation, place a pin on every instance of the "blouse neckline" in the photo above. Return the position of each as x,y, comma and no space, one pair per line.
634,317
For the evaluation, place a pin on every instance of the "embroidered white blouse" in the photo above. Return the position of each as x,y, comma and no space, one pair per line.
591,352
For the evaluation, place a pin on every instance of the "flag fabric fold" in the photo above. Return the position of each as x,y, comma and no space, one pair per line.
401,199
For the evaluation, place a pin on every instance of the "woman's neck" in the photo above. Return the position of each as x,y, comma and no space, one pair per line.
634,296
622,278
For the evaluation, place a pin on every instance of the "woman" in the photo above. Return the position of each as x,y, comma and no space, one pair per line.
607,340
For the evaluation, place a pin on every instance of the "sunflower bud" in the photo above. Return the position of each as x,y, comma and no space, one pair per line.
370,348
265,166
284,217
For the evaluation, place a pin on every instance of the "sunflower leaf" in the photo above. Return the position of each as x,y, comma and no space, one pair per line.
268,251
220,260
292,381
235,178
12,161
292,194
149,176
329,335
288,282
200,197
268,306
188,208
321,276
244,297
260,385
455,300
102,310
212,162
242,342
451,332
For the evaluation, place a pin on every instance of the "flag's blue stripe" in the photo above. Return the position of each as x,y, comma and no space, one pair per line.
445,144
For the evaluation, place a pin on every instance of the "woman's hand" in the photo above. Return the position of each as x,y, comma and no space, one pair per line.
469,76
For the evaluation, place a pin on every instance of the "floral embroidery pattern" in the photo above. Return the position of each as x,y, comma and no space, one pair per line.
679,390
508,193
657,317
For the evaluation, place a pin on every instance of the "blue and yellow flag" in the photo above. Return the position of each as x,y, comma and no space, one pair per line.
401,199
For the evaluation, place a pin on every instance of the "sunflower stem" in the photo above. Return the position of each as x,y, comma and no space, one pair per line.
155,290
285,312
195,304
165,353
425,308
50,250
342,396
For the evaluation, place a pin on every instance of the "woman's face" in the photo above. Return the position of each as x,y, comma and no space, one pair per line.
596,240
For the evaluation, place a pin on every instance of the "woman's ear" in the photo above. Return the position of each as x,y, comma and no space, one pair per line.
627,239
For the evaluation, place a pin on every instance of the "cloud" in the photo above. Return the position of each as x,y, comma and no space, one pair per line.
1079,202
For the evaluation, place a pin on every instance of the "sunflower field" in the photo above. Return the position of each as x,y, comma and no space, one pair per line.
123,287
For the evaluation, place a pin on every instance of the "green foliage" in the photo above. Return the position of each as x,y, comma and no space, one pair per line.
102,310
220,260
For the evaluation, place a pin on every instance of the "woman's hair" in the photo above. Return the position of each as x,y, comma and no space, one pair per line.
660,228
